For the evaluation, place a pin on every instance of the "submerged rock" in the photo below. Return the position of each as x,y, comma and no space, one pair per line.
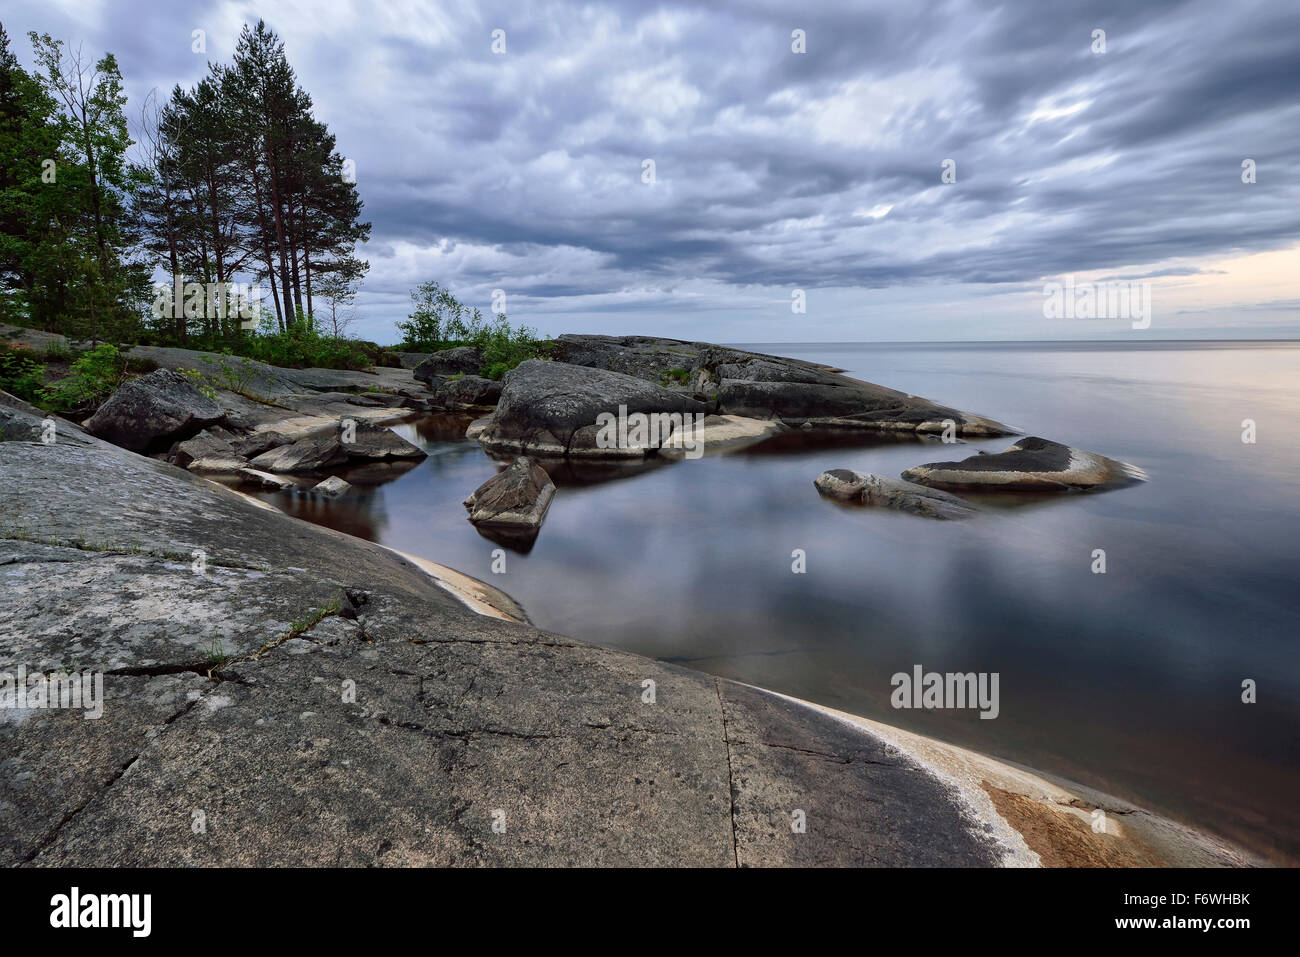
153,409
863,488
518,496
1032,464
332,487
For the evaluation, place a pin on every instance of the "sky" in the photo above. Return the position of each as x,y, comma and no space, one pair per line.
800,152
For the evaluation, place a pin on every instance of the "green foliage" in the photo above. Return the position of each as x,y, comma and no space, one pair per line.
74,270
21,373
436,318
440,321
505,346
95,376
200,382
235,178
680,376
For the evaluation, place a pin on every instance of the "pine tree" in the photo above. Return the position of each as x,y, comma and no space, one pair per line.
31,290
110,290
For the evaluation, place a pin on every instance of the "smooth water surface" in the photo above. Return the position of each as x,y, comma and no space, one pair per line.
1129,681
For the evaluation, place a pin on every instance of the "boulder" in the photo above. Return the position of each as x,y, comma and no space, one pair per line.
332,487
21,421
463,360
518,496
265,479
1032,464
374,442
259,442
646,357
863,488
311,454
410,360
152,411
552,408
469,391
843,403
316,453
794,392
212,450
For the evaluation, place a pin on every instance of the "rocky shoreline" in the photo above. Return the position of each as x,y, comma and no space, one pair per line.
310,698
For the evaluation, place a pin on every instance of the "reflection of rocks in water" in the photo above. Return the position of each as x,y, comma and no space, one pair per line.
577,472
443,426
377,473
360,515
519,539
811,440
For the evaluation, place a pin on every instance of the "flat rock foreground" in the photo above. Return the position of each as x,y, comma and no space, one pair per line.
277,693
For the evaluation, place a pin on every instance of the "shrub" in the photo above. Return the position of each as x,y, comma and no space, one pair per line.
20,373
440,321
301,345
94,377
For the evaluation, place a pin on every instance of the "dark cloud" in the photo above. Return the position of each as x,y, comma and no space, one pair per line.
774,169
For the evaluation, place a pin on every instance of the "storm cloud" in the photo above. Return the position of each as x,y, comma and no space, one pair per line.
773,169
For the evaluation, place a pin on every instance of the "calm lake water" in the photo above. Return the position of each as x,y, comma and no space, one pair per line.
1128,681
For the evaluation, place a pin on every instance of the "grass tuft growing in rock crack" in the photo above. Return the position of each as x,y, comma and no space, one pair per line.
302,625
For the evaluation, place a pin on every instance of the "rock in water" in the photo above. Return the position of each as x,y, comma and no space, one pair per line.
306,455
1032,464
314,453
377,442
152,410
266,480
863,488
332,487
795,392
552,408
516,497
